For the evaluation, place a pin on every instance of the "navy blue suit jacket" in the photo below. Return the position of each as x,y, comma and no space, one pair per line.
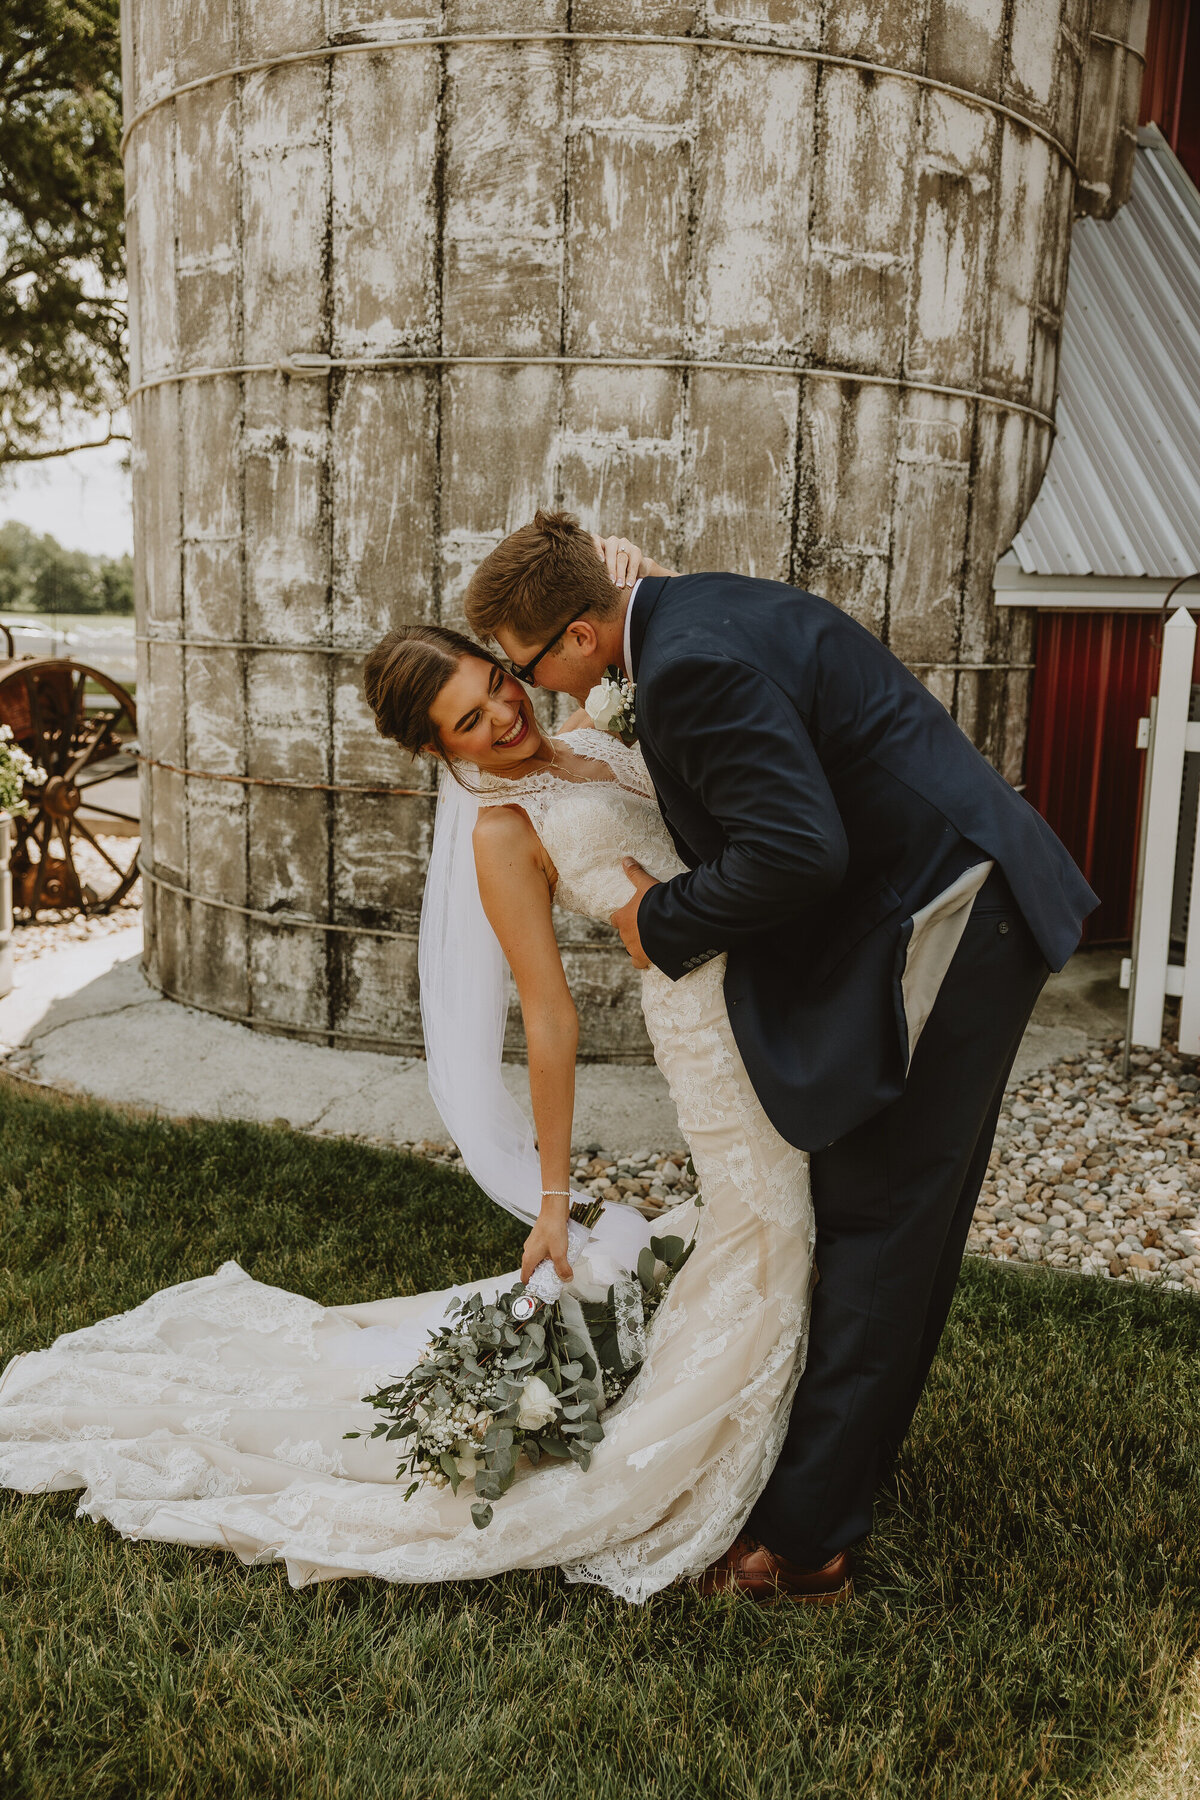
820,796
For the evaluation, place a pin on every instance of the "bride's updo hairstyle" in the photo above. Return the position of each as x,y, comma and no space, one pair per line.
405,673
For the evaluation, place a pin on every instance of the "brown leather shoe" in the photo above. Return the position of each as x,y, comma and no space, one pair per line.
748,1567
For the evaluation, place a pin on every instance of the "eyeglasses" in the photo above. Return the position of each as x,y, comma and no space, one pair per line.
524,671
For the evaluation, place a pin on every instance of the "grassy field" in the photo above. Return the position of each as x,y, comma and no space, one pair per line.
1028,1614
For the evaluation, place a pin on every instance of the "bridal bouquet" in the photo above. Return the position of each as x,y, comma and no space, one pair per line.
521,1377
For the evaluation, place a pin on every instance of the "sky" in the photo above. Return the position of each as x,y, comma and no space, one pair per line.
84,500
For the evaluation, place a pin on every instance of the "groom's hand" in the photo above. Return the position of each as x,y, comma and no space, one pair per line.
625,918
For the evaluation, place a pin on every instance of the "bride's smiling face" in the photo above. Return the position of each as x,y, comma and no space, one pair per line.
485,717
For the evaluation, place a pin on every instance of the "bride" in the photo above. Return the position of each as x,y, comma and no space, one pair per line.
215,1413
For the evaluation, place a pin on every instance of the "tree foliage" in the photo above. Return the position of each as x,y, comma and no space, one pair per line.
62,261
38,576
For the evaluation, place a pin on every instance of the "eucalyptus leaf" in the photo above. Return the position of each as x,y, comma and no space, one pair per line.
481,1512
450,1470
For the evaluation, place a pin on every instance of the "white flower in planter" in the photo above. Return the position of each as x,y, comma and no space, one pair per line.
17,772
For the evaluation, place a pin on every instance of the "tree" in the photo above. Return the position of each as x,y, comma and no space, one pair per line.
62,259
38,576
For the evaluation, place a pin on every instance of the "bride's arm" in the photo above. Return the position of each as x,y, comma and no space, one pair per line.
515,886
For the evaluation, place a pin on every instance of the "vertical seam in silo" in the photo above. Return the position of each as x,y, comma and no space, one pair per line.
335,384
898,412
241,657
957,679
567,102
801,536
701,85
182,478
983,340
439,377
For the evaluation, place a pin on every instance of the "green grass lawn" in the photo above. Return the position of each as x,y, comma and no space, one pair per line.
1027,1610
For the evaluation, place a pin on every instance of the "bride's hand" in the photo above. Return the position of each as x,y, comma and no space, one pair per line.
623,560
547,1239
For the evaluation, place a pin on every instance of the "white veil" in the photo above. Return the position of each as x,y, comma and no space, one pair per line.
464,1009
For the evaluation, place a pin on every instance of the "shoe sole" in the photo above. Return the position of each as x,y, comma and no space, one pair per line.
776,1596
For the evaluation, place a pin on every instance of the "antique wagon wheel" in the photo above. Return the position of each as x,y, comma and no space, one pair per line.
80,727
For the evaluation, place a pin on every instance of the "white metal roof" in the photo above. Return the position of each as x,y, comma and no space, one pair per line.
1121,495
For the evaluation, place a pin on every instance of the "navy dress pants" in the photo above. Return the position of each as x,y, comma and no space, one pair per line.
893,1202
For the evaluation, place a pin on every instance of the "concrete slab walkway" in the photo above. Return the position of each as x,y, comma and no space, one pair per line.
84,1020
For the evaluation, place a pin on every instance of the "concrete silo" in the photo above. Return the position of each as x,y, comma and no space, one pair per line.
774,286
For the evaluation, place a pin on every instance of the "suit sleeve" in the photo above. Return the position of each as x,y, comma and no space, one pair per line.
731,736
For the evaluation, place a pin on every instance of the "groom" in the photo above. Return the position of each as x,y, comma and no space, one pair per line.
889,909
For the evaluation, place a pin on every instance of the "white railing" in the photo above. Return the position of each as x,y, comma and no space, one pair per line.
1167,736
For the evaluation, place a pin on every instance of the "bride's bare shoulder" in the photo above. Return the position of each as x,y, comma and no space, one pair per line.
581,717
509,851
501,827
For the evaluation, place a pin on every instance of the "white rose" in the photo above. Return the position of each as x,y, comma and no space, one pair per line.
467,1462
538,1405
604,703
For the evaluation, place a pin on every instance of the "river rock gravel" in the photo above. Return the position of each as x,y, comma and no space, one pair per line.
1098,1174
1090,1172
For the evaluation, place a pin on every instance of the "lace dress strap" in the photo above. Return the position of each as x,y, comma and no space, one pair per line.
537,791
625,760
534,794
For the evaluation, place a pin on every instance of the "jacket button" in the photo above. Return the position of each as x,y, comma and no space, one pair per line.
1002,927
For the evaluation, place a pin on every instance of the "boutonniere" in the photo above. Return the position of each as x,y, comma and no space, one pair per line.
610,705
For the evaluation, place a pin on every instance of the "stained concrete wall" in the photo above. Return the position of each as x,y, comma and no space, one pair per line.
817,203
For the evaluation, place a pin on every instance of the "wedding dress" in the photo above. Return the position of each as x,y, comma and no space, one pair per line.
215,1413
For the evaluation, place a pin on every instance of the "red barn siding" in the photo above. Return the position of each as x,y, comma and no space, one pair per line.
1093,681
1171,87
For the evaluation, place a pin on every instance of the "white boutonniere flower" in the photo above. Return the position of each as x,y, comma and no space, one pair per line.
610,706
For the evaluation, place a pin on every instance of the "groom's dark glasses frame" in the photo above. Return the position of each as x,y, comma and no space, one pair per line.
524,672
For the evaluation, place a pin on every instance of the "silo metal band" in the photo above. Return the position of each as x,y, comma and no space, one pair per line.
375,46
307,364
188,643
298,922
183,643
272,1026
275,781
1102,37
287,921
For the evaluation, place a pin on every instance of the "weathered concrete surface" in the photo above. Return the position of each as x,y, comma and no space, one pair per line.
686,202
1082,1003
84,1020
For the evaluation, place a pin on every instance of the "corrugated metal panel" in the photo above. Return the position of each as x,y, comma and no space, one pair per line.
1121,495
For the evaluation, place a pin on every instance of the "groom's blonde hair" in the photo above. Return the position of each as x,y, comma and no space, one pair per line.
539,577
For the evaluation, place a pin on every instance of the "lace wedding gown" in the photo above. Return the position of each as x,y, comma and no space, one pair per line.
215,1413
